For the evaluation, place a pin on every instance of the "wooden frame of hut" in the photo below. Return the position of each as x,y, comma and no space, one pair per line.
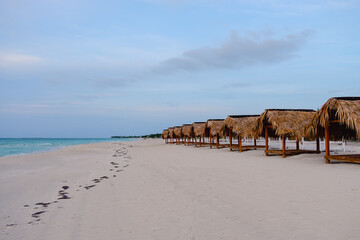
338,118
242,126
171,135
188,133
165,135
286,123
178,134
201,131
217,129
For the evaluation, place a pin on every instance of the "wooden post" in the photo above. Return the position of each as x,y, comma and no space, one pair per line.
210,141
217,141
200,141
283,146
317,144
327,143
230,138
297,144
266,141
240,144
195,141
255,142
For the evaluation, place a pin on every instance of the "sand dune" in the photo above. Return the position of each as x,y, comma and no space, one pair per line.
149,190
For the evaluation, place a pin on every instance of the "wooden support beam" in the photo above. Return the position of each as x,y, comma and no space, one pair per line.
210,141
200,141
195,141
327,143
266,142
317,143
255,142
283,146
297,144
240,144
217,141
230,138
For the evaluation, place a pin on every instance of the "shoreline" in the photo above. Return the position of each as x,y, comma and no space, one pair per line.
151,190
54,148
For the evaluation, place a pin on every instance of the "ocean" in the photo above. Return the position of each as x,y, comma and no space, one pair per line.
16,146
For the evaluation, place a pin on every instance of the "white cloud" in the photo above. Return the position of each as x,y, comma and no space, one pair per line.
236,52
14,59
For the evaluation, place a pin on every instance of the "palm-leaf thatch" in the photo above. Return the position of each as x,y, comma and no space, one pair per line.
216,126
187,130
200,129
243,125
171,132
177,131
285,122
165,133
343,110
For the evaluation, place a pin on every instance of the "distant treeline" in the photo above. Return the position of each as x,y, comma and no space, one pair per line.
154,135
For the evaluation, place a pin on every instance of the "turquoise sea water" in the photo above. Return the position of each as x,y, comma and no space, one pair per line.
15,146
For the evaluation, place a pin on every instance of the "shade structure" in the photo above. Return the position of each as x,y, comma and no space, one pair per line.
171,134
165,135
285,123
217,128
242,126
200,131
338,118
188,133
178,134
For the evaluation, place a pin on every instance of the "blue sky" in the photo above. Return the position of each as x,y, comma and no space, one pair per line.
103,68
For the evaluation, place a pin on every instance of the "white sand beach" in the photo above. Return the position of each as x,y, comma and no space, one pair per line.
150,190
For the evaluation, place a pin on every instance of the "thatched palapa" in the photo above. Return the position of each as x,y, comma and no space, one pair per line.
285,123
201,132
178,134
243,126
165,135
188,132
217,129
338,118
171,134
290,123
216,126
200,129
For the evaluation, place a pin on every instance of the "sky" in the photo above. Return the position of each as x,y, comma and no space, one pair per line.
90,68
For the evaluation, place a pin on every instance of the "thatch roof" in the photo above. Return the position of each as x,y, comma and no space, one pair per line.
216,126
177,131
187,130
243,125
344,109
165,133
285,122
200,129
171,132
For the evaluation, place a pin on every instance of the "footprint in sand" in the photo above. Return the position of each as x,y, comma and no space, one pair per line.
45,205
63,195
89,186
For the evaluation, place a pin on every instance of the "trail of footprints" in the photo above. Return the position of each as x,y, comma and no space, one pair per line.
115,167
